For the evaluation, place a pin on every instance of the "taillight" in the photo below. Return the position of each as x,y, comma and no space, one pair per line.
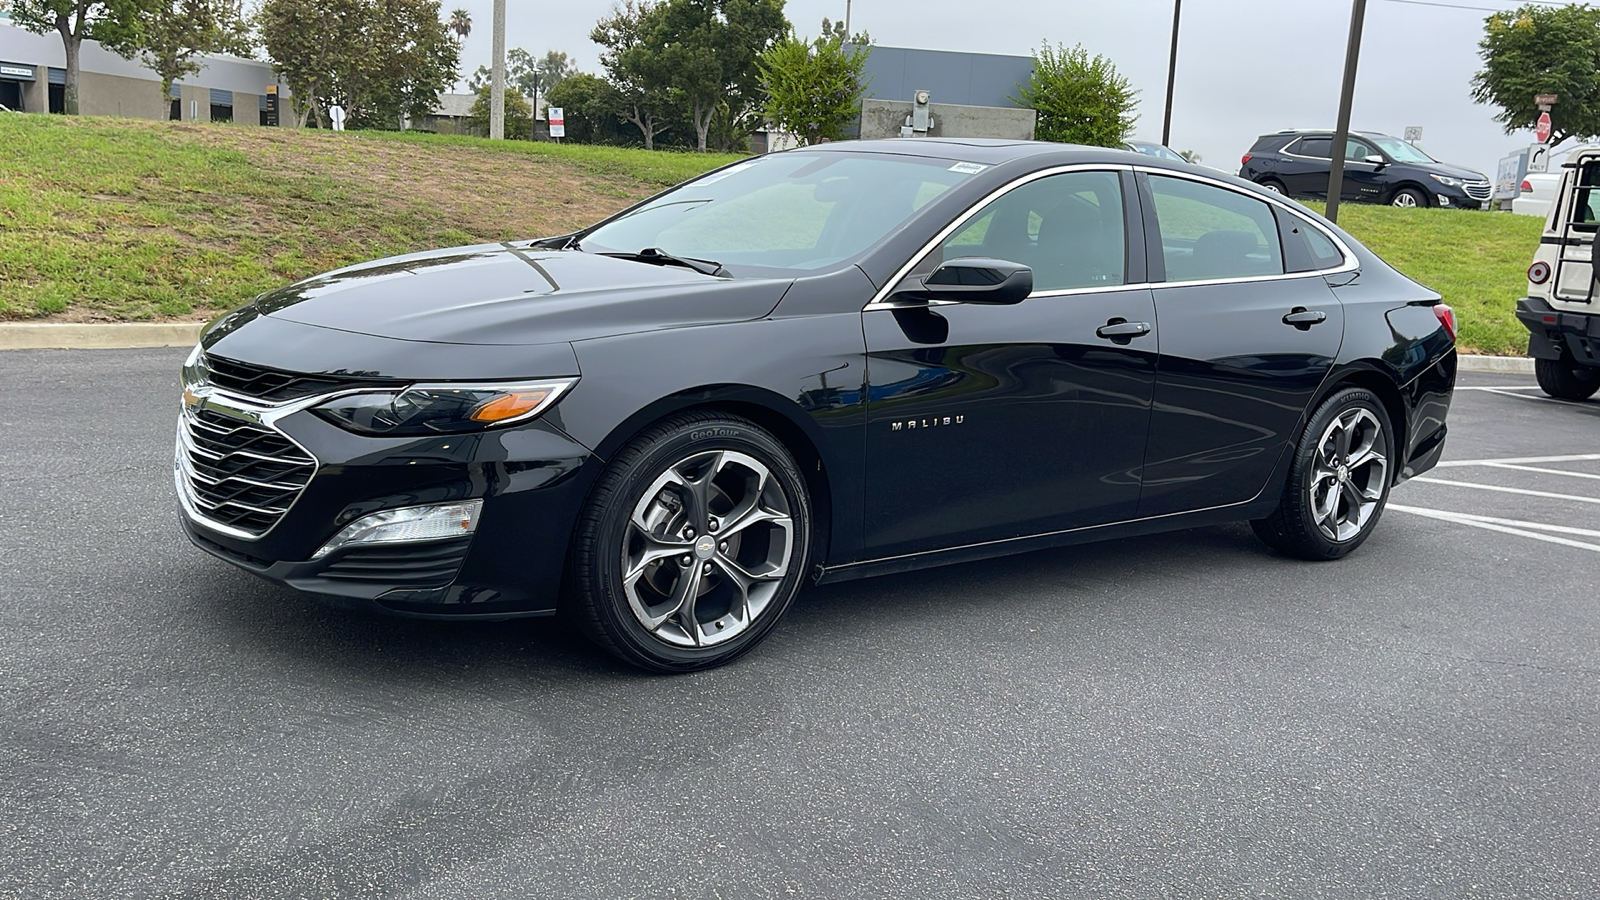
1245,159
1447,318
1539,272
1526,188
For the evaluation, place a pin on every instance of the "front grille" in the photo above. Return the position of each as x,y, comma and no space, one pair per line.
1479,190
241,474
275,385
403,566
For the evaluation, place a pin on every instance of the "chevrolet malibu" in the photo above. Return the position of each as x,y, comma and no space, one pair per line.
840,361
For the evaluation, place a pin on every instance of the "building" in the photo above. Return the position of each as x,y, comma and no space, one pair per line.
33,77
964,94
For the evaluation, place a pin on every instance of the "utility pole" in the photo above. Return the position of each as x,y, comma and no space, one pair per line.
847,20
1172,74
497,82
1341,134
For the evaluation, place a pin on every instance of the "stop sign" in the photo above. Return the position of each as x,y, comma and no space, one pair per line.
1542,132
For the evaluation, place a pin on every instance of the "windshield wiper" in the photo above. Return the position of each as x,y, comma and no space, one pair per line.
659,257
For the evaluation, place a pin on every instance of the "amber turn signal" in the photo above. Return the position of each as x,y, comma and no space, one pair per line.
510,405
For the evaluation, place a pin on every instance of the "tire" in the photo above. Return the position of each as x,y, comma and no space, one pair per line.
711,490
1274,185
1409,198
1329,505
1565,380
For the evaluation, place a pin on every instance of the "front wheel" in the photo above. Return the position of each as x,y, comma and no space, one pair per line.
1564,380
693,544
1338,481
1409,198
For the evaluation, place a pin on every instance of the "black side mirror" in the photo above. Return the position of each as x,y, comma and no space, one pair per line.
977,280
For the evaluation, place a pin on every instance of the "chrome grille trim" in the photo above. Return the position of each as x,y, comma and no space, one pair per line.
236,472
1478,190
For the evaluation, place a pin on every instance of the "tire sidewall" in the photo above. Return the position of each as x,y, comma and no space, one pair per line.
1301,471
1421,198
634,476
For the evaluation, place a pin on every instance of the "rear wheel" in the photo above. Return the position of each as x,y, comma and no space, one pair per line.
693,544
1409,198
1273,185
1338,482
1565,380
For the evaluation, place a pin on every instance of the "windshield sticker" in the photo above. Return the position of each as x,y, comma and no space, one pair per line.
968,168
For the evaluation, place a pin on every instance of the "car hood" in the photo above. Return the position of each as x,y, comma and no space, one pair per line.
513,294
1450,171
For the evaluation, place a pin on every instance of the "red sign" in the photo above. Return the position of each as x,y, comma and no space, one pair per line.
1543,131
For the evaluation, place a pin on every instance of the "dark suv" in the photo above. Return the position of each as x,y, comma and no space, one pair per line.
1378,168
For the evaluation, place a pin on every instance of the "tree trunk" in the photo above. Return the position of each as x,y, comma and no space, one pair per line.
73,45
702,124
646,126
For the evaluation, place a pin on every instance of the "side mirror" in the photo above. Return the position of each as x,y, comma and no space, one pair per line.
978,280
1375,159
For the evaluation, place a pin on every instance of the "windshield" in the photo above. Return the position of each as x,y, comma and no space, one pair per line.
788,211
1400,151
1156,150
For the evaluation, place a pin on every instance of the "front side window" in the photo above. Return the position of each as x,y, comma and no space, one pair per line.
1358,150
1068,228
1210,233
788,212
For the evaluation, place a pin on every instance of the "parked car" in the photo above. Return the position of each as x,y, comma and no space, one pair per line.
853,359
1162,151
1536,194
1378,168
1559,310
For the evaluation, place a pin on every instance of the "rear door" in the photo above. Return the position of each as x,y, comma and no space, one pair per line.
1307,166
1245,343
1577,219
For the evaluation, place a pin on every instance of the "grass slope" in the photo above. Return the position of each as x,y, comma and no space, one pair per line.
118,220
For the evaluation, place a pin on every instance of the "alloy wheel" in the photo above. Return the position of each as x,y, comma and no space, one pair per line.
1406,200
706,548
1349,474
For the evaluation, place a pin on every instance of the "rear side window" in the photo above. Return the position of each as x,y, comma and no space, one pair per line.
1586,202
1305,247
1321,148
1210,233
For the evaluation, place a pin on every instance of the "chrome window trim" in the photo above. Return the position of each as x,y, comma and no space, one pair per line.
1350,264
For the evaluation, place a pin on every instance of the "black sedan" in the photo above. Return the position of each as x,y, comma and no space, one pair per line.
816,365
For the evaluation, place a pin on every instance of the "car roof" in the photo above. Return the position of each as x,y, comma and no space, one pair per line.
1327,131
981,150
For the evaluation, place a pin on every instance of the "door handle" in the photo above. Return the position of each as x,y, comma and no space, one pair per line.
1303,319
1122,328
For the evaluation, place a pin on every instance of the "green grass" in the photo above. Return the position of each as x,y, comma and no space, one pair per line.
1477,261
122,220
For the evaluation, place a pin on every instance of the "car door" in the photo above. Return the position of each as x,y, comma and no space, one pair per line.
1244,346
989,422
1306,174
1363,180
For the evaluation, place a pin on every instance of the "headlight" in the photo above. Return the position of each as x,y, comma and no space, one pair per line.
425,409
1446,180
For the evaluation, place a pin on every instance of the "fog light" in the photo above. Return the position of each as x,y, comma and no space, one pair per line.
435,522
1443,200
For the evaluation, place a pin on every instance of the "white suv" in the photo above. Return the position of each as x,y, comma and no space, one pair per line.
1562,309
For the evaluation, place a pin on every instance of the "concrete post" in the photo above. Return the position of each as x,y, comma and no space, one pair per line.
497,88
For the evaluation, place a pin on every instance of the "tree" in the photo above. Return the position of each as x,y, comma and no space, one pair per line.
590,104
813,90
1542,50
115,24
639,94
837,30
1080,98
705,51
382,60
533,77
460,24
519,115
176,31
1189,156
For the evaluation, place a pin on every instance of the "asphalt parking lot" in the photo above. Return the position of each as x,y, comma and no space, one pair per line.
1177,716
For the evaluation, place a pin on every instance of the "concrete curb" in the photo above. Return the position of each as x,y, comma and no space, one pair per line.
1505,365
68,336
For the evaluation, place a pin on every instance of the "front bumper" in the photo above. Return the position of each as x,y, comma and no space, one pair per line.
532,480
1551,331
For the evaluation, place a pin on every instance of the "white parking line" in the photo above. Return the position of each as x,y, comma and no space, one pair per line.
1496,387
1579,457
1499,465
1508,490
1494,525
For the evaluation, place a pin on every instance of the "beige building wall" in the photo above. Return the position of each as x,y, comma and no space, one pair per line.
246,108
116,95
196,103
36,94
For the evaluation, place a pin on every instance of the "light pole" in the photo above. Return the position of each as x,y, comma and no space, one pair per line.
497,79
1172,74
1341,134
847,20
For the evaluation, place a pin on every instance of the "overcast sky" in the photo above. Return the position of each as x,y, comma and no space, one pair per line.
1245,67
